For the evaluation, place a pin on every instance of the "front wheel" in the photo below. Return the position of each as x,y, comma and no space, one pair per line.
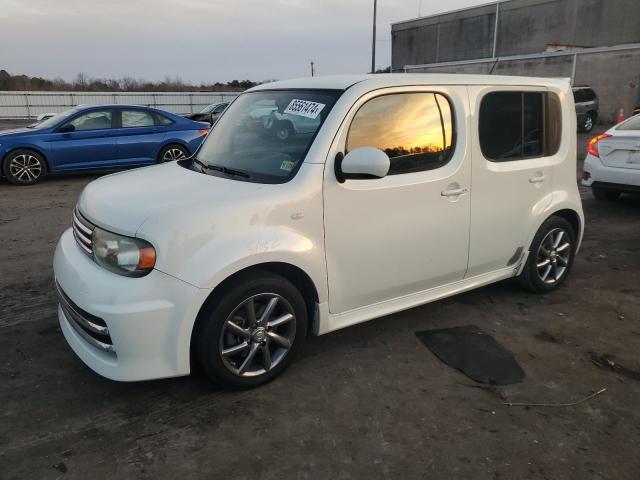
24,167
550,257
251,332
588,122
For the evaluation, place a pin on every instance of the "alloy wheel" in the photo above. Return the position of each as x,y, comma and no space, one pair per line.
173,154
25,167
257,335
588,123
552,258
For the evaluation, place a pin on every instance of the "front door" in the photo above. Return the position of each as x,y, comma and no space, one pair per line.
90,145
407,232
516,135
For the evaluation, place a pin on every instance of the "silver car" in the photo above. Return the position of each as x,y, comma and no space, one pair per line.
612,165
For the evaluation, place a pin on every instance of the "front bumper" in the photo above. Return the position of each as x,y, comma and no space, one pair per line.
149,319
601,174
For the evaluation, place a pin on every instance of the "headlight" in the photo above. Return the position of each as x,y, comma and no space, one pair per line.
128,256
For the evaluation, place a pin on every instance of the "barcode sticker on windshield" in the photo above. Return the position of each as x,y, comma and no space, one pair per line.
304,108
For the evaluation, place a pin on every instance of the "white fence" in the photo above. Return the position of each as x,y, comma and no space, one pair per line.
22,105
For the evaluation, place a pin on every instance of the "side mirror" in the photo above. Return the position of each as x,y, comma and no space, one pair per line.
66,128
362,163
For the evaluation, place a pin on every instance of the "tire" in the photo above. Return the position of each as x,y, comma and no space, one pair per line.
253,354
24,167
172,152
540,277
588,122
605,194
283,131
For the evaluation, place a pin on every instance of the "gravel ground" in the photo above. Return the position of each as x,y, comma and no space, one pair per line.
369,401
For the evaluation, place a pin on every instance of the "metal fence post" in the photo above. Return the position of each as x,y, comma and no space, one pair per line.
26,103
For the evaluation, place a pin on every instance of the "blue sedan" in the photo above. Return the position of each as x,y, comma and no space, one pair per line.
97,137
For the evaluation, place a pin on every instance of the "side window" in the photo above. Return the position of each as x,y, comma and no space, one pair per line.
578,96
162,120
96,120
415,130
589,95
137,118
519,125
220,108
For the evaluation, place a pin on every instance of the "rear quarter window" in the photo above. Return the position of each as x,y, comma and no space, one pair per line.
516,125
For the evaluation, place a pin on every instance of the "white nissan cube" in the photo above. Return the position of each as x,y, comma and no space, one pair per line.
313,205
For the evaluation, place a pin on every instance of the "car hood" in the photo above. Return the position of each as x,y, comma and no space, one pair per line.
16,132
161,194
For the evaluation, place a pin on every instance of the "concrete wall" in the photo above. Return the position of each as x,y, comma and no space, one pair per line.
525,26
615,76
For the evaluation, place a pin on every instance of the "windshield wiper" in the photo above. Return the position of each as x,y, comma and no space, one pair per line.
222,168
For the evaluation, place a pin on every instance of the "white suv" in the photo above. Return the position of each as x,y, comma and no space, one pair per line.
409,189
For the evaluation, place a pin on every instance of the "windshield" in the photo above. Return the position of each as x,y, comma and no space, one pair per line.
50,122
264,136
208,108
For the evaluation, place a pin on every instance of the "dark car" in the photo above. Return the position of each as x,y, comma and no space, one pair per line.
97,137
587,106
209,114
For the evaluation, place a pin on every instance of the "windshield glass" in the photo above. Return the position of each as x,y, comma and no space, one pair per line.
208,108
50,122
264,136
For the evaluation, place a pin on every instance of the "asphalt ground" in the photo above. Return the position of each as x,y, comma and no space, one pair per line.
368,401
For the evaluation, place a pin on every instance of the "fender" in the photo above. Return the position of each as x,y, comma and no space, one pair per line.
560,201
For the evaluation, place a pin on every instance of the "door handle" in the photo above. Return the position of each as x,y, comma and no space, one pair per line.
538,179
454,192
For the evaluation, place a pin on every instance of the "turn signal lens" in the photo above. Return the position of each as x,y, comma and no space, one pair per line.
203,132
147,258
592,147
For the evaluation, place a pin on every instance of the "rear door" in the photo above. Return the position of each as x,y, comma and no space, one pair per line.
138,137
90,145
514,143
622,149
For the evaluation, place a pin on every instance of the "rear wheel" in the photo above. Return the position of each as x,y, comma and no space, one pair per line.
172,152
24,167
550,257
605,194
251,332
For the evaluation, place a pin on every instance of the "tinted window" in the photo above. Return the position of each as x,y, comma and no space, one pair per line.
162,120
264,136
137,118
414,129
632,124
589,95
578,96
517,125
96,120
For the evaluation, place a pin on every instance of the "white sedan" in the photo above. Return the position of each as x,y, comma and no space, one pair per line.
612,165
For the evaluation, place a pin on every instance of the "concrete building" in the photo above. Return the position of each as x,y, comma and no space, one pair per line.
593,42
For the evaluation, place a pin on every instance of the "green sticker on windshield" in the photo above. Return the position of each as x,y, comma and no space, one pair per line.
287,165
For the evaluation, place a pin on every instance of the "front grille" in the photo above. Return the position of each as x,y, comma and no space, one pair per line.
92,329
83,232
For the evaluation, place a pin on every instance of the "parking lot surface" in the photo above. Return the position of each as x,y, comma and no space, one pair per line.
369,401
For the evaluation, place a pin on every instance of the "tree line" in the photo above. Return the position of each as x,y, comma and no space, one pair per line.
84,83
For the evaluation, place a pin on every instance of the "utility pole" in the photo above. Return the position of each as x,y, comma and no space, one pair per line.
312,70
373,41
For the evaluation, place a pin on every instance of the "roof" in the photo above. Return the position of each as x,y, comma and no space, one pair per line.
382,80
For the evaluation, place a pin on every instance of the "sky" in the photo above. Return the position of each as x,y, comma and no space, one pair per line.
200,40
